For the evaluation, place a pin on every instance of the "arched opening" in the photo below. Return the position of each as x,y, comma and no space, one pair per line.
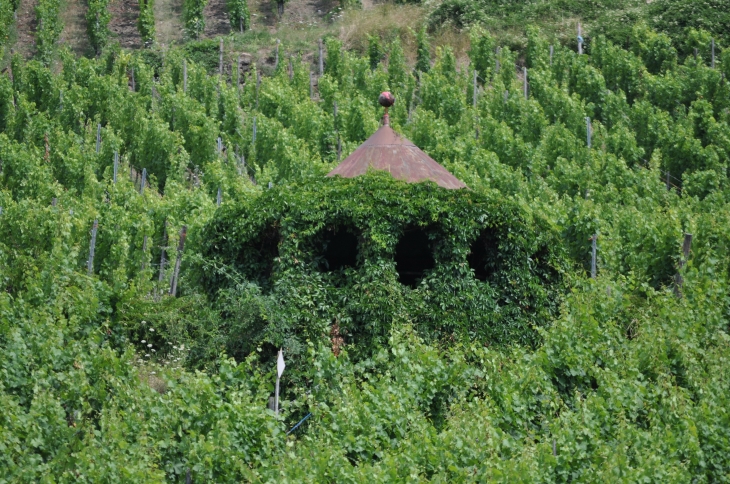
258,256
413,256
340,249
483,255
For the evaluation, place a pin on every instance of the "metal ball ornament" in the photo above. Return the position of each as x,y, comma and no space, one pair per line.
386,99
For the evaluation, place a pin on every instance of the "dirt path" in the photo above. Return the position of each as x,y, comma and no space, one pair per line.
25,28
74,27
216,19
168,21
123,24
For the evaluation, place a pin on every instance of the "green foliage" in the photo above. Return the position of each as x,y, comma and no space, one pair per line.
456,13
146,21
193,17
239,14
97,23
106,378
676,17
423,51
6,21
49,28
515,14
375,51
482,52
508,311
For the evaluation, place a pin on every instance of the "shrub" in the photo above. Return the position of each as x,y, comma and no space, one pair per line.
97,23
193,17
49,27
239,14
146,21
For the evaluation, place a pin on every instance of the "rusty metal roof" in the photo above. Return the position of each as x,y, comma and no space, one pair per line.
387,150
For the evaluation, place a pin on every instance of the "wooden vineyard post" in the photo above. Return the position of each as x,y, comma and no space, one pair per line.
185,75
506,96
92,247
669,183
276,55
163,261
496,62
339,141
474,89
144,252
678,279
580,39
238,73
258,86
551,55
588,131
321,58
524,81
143,182
116,167
254,130
176,272
60,100
98,137
219,197
593,255
134,86
291,70
220,58
713,54
219,146
311,85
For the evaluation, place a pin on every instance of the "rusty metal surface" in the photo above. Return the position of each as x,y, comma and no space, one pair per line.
388,151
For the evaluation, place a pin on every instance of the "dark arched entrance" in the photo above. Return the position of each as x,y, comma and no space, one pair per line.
413,256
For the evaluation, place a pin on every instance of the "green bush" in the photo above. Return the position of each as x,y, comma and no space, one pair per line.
97,23
49,28
508,311
146,21
6,20
193,18
239,15
676,17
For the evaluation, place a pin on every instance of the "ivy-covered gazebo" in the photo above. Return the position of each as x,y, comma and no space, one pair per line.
389,236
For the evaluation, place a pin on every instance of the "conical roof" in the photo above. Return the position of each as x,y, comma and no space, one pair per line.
387,150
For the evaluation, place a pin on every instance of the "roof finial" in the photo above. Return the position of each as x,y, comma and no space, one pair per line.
386,99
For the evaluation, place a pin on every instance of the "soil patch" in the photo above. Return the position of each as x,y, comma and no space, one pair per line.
25,28
74,28
123,24
168,21
216,19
